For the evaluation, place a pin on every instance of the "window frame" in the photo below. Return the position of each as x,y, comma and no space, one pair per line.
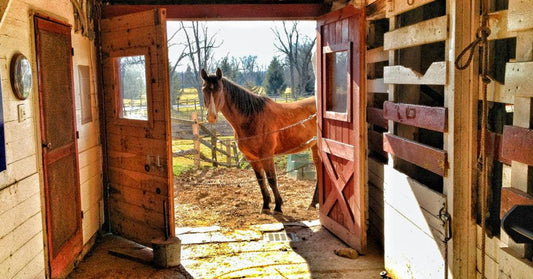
326,71
117,97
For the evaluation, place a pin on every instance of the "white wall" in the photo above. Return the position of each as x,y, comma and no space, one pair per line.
22,253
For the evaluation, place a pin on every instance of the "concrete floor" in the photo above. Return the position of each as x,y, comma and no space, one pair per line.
290,250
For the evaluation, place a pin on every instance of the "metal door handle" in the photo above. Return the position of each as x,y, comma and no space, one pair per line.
47,145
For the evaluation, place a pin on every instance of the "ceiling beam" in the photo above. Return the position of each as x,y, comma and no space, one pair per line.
227,11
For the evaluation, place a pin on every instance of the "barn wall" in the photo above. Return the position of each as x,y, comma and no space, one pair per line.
21,191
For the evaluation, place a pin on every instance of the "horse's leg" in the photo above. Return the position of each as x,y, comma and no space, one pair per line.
259,174
316,161
270,171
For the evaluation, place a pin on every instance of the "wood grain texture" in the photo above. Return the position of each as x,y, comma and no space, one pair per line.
427,157
431,118
435,75
425,32
520,15
511,197
517,144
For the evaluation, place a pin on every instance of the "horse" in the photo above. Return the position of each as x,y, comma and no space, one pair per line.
262,129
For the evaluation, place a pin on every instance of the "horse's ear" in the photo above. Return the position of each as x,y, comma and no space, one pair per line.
204,75
219,73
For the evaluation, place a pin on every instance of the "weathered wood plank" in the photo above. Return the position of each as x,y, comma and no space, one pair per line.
375,116
425,32
518,81
376,86
517,144
496,93
511,197
376,55
375,9
512,265
493,147
397,7
432,159
498,26
338,149
435,75
520,15
431,118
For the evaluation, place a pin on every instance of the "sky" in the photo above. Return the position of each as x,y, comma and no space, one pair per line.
243,38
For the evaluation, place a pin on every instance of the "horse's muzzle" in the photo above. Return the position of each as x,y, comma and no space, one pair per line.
211,118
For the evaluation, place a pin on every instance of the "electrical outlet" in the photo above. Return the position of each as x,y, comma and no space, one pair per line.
21,112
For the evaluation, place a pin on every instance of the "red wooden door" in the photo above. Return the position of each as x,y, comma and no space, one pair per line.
341,125
138,138
60,148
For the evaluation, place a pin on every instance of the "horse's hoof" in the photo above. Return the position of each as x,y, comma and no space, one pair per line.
265,211
277,213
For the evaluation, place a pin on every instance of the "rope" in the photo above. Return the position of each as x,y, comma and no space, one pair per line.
482,34
279,130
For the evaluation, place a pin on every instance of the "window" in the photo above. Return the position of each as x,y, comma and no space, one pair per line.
133,100
337,73
85,94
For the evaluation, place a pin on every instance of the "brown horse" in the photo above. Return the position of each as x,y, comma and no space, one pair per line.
263,128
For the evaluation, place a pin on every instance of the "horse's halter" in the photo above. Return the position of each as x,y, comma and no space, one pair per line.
213,96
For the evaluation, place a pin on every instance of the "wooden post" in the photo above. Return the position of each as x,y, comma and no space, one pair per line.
228,150
196,133
236,154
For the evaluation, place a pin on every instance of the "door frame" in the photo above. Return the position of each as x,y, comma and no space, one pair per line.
61,265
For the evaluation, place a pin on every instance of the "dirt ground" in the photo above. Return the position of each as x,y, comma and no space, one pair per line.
231,199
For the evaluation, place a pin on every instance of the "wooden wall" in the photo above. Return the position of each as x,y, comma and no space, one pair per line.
21,234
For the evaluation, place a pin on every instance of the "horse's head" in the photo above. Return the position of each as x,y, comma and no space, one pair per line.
213,95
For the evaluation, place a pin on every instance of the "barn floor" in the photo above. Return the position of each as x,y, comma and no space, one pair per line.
278,250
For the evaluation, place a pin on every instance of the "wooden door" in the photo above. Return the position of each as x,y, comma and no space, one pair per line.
138,138
341,125
59,144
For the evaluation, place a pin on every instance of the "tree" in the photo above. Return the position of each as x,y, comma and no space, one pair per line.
199,48
274,82
298,51
230,67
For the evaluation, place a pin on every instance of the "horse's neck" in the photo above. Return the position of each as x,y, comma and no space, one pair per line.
232,115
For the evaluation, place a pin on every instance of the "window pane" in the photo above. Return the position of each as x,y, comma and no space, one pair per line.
132,79
337,88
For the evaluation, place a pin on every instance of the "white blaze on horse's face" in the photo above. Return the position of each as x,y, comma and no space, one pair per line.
212,110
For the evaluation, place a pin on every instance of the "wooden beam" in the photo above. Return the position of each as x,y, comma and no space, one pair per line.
435,75
376,9
376,86
338,149
518,81
398,7
431,118
512,197
493,146
498,26
430,158
520,15
425,32
375,116
376,55
226,11
517,144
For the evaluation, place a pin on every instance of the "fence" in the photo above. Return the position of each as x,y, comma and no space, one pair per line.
224,147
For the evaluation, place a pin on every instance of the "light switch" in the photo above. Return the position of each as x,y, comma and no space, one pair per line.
21,112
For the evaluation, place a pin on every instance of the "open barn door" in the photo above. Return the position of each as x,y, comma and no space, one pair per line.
137,107
341,122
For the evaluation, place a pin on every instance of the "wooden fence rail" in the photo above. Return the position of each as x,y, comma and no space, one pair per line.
225,147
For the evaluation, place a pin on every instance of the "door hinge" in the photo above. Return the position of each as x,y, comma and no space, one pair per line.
82,214
72,50
78,134
446,219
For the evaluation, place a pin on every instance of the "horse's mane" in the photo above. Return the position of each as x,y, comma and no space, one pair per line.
247,102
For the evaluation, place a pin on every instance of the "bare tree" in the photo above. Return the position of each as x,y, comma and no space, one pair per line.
298,51
199,47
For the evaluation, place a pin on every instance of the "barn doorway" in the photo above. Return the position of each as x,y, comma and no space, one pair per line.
218,200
